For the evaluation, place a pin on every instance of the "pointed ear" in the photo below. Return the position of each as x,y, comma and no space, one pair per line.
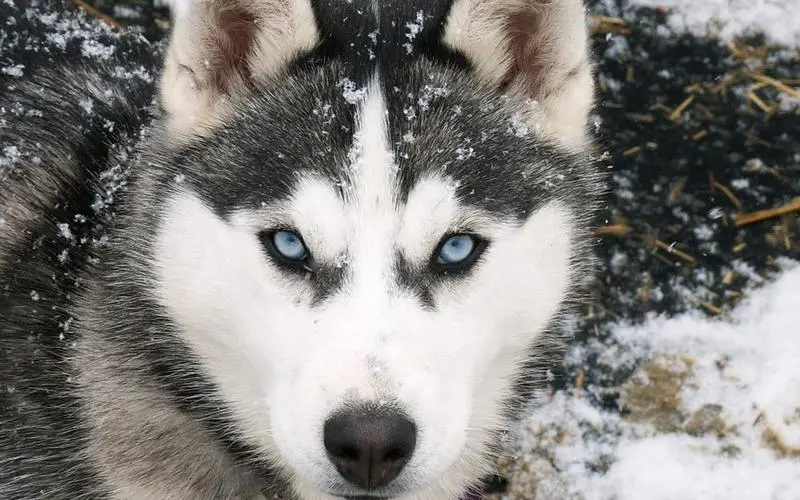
219,48
535,48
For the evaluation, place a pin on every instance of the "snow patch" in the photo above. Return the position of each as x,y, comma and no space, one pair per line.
713,411
728,19
413,30
352,94
14,70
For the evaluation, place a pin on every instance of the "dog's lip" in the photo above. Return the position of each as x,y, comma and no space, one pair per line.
364,497
361,496
471,495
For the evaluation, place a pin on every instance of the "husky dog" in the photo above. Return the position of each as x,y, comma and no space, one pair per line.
338,266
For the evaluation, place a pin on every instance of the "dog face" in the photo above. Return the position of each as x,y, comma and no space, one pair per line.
367,255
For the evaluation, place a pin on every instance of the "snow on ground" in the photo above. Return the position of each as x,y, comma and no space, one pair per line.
727,19
712,412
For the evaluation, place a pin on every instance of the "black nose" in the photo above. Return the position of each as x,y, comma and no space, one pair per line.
369,449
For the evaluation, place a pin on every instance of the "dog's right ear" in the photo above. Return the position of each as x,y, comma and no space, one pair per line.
220,47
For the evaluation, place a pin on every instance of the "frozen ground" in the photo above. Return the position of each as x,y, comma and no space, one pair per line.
727,19
712,411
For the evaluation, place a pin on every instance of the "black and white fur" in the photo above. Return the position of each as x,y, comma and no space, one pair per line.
182,360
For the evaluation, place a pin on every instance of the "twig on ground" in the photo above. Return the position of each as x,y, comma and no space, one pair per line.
613,230
673,250
96,13
676,114
677,189
767,109
777,84
632,151
607,24
727,192
770,213
708,306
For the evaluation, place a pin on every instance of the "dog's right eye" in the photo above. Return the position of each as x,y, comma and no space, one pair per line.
287,248
289,245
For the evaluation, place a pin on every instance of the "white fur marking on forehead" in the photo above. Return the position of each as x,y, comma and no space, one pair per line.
372,160
318,213
431,210
373,173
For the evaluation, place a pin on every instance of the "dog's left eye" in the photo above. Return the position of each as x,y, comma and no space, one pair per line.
458,251
287,248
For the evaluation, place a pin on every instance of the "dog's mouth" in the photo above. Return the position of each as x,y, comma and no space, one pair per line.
362,496
470,495
365,497
494,484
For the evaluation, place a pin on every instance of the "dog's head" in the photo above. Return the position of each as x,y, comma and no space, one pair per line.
370,224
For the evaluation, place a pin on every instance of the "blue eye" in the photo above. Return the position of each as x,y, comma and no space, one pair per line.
456,249
457,253
289,245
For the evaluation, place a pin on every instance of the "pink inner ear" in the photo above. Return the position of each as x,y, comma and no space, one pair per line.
527,43
231,45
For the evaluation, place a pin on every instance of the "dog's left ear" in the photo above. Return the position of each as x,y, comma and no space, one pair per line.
535,48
